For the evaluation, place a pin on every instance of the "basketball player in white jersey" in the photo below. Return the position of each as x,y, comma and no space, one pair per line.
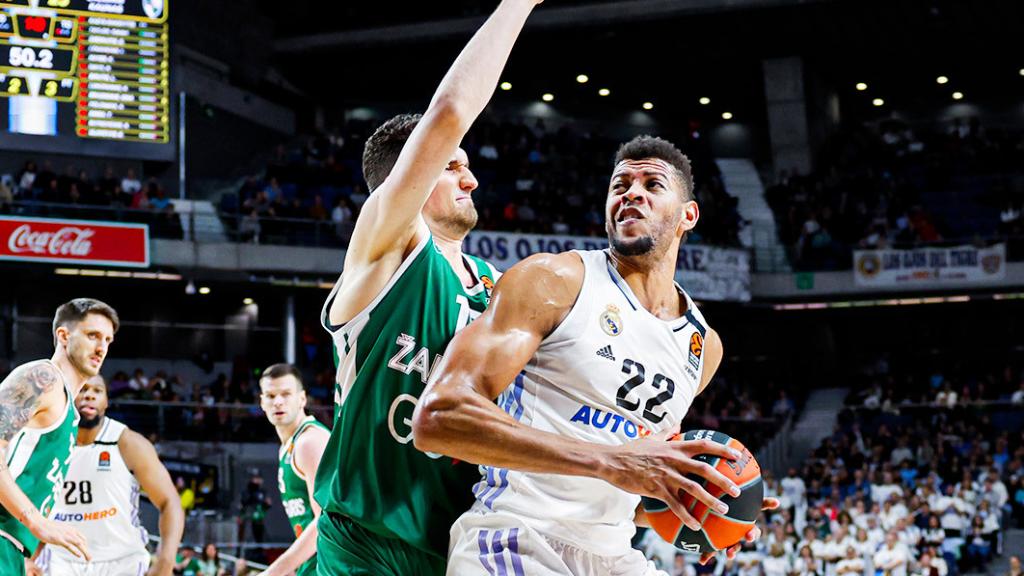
38,423
603,349
100,498
303,439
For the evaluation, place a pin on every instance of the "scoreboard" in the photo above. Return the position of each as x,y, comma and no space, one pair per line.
86,75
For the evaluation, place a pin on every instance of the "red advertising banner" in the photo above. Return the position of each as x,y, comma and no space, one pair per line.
74,242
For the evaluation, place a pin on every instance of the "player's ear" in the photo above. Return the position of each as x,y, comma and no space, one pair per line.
62,335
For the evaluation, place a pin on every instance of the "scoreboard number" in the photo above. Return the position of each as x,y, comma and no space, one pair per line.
13,86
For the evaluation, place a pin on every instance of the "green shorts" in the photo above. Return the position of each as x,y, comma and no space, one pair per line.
12,561
344,548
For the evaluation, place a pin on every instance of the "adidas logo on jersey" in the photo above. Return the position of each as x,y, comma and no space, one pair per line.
606,352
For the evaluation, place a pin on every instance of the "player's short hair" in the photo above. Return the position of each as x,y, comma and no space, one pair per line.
645,147
280,370
383,147
69,314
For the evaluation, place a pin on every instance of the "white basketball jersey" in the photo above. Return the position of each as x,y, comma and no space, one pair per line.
100,498
610,373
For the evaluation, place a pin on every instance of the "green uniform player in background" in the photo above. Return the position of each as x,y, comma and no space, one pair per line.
303,438
406,289
38,427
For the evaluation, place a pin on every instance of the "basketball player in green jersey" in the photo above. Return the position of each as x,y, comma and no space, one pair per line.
406,289
303,438
38,427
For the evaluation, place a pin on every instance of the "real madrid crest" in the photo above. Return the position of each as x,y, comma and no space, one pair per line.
610,320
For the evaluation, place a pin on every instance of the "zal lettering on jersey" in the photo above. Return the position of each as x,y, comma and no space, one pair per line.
85,516
599,419
404,361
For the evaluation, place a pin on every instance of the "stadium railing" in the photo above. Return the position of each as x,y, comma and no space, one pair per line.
222,421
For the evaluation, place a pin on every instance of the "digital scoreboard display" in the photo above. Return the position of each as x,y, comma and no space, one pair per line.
86,76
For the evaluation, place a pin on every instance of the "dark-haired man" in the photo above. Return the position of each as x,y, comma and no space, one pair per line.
100,497
406,289
38,426
303,439
605,349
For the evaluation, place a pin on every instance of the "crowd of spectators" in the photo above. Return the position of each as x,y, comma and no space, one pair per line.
919,478
38,190
221,409
532,178
888,186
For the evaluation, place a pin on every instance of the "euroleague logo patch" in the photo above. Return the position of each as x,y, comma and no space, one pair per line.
610,321
487,282
696,349
104,463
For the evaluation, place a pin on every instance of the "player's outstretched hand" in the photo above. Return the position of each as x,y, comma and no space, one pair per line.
51,532
753,535
658,468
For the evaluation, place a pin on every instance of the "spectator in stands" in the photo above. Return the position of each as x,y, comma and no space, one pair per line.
893,557
249,228
1015,567
1017,397
318,211
187,563
254,504
979,550
6,194
210,563
187,495
158,200
140,201
27,179
130,184
806,564
139,381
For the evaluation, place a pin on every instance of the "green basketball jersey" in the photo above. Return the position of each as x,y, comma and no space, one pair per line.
38,459
371,472
294,495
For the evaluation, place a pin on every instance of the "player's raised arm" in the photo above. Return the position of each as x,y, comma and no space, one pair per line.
457,415
142,460
391,216
23,394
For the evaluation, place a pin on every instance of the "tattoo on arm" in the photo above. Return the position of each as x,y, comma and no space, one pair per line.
19,396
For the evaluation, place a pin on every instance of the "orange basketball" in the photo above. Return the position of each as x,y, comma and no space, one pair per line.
718,531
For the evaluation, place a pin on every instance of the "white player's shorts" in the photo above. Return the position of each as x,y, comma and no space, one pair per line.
59,565
498,544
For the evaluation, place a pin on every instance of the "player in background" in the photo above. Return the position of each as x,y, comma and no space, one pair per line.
604,348
100,498
303,439
38,425
406,289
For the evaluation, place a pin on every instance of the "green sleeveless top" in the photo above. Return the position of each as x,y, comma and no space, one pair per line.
371,472
38,459
294,495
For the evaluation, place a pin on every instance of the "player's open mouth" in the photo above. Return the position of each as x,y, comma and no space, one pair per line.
88,410
629,215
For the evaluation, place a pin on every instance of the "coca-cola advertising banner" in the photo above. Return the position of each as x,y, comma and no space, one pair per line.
74,242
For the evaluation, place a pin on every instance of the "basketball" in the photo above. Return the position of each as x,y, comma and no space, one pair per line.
717,531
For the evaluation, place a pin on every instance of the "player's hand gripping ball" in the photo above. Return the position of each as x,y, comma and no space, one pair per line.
718,531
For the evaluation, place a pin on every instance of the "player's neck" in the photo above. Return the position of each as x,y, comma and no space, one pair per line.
451,249
75,379
286,432
652,280
87,436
